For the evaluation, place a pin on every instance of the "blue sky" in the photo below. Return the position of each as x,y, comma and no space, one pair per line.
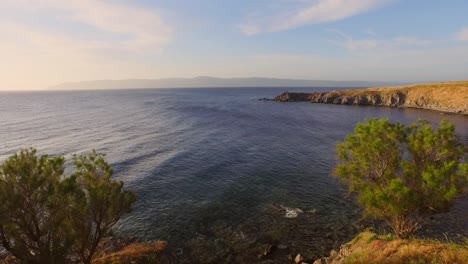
45,42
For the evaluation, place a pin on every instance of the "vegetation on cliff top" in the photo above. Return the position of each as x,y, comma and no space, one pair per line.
454,94
445,91
368,247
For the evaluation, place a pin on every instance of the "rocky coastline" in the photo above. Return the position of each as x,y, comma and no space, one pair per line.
444,97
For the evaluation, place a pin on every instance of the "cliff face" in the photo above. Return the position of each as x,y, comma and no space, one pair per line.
446,97
338,97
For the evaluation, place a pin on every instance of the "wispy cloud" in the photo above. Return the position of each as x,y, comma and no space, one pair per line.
369,32
77,40
136,28
433,63
462,35
355,44
309,13
249,30
34,59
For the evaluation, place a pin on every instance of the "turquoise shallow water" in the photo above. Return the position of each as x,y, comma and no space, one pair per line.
209,164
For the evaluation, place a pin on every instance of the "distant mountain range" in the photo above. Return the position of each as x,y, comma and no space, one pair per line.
212,82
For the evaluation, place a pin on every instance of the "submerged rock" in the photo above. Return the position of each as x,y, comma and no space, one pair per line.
292,212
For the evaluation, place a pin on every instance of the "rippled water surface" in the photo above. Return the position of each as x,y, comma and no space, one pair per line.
212,168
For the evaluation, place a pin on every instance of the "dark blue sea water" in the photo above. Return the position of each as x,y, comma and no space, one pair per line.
211,167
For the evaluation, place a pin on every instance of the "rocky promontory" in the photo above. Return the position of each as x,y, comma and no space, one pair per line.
450,97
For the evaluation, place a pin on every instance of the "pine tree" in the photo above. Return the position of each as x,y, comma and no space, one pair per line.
403,174
47,217
101,204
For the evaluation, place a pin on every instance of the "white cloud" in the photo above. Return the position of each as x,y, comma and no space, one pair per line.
249,30
462,35
146,28
137,27
405,65
398,65
361,44
365,44
34,60
410,41
312,12
77,40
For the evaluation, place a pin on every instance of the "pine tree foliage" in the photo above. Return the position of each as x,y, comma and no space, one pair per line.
101,203
47,217
403,174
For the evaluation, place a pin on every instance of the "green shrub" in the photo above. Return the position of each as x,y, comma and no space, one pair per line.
372,238
47,217
388,237
403,174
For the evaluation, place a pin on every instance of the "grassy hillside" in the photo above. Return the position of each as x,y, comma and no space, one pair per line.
447,93
443,95
367,247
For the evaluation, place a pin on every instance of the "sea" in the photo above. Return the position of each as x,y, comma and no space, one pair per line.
217,173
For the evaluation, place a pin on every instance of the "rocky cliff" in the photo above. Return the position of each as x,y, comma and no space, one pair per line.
449,97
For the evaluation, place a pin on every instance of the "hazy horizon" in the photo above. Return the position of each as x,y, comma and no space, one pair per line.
218,82
49,42
213,82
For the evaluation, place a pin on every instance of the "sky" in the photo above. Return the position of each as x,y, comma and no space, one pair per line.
47,42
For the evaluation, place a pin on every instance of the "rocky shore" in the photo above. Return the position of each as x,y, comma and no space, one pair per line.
449,97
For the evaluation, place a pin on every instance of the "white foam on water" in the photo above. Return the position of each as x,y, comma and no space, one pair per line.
291,212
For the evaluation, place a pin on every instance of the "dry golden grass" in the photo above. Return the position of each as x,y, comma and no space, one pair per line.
445,94
139,253
451,93
369,248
